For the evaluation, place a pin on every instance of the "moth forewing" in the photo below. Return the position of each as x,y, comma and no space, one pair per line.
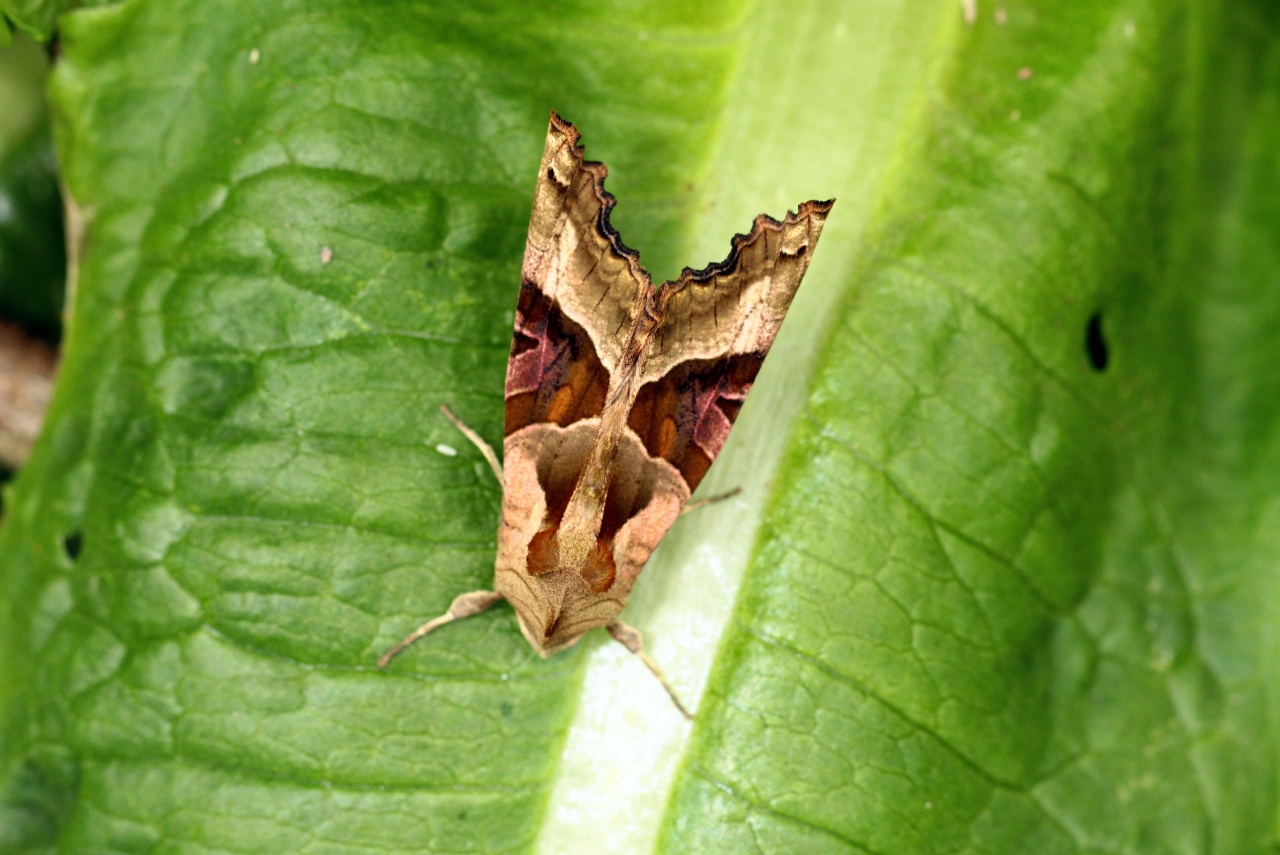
619,395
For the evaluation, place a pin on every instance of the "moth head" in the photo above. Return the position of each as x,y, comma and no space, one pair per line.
560,600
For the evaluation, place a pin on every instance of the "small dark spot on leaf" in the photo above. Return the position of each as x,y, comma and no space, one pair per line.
462,814
1094,343
505,709
73,543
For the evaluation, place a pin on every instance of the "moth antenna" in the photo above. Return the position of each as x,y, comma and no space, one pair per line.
485,448
710,500
463,606
630,638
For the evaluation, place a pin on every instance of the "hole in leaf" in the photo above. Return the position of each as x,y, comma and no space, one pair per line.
73,544
1095,345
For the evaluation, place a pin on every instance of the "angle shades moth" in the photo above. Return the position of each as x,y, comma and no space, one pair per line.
619,396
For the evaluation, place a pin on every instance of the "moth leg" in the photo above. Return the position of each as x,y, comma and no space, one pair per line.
630,638
485,448
710,500
463,606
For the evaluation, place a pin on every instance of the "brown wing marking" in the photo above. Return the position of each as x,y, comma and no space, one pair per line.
684,417
717,325
542,463
580,286
553,374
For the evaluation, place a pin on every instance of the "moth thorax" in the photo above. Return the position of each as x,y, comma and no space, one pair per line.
596,569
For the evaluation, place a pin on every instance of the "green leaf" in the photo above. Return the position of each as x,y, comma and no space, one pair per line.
35,17
986,592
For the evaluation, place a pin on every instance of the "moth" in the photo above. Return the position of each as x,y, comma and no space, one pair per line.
619,395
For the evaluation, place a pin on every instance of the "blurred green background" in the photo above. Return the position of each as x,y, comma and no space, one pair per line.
1002,577
32,260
